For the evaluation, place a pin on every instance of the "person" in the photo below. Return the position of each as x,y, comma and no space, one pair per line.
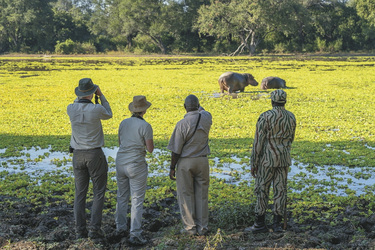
89,161
135,137
270,160
189,146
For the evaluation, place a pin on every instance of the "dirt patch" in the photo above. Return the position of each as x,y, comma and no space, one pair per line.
25,226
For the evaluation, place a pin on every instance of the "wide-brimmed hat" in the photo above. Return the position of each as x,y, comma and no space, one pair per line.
85,87
278,96
139,104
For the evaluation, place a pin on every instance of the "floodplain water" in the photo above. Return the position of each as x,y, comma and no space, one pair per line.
334,178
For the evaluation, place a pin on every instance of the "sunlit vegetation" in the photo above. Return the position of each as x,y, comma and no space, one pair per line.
331,97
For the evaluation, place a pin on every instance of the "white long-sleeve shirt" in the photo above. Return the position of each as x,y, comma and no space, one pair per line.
85,119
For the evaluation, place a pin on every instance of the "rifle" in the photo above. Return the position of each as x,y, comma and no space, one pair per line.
286,199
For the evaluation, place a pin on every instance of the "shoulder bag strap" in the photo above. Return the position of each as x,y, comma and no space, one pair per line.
196,126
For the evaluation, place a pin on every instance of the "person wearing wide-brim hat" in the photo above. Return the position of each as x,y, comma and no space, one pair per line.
86,87
270,160
139,104
89,161
135,137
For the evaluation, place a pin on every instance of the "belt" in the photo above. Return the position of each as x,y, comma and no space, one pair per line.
87,149
196,156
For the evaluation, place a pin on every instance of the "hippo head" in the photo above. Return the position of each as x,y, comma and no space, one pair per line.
250,80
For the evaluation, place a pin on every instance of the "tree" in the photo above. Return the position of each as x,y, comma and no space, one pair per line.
21,23
157,20
366,11
70,22
186,38
248,20
335,24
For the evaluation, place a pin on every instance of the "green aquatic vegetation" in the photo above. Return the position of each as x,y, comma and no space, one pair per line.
330,98
360,175
61,162
232,131
231,205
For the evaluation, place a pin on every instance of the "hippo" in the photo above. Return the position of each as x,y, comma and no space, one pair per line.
232,82
272,82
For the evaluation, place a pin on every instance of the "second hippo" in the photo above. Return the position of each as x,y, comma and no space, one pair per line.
272,82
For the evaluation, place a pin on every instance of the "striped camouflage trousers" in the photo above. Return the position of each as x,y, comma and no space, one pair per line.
278,177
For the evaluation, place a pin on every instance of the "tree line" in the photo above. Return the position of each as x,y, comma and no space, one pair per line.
229,27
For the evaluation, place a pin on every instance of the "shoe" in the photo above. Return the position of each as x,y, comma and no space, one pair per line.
190,232
137,240
203,232
276,226
258,227
96,234
121,233
81,234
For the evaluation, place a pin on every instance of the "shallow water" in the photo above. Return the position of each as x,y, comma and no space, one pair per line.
335,179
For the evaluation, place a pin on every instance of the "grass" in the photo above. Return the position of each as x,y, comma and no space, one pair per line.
331,97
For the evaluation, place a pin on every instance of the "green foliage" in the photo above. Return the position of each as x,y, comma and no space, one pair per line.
329,96
162,187
186,26
25,25
231,206
143,45
66,47
249,21
70,47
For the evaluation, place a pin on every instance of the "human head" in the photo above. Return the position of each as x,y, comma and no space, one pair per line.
85,88
278,97
191,103
139,104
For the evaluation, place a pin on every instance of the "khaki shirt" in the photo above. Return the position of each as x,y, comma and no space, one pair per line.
85,119
197,146
133,133
274,135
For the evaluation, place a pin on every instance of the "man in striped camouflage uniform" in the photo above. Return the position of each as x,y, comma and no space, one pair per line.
270,160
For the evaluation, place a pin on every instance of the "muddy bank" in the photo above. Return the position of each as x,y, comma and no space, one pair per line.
24,226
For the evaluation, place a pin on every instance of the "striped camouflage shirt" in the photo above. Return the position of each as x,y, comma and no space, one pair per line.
274,135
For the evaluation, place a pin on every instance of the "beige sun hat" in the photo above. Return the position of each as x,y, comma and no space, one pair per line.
139,104
278,96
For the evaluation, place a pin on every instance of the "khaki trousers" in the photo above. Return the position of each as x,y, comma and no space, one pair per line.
192,192
131,182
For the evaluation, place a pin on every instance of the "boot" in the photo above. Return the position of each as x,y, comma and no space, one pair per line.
258,227
276,226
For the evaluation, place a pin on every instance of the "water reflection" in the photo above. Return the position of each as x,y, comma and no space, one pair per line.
335,179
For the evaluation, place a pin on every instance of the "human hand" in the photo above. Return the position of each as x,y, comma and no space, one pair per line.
98,92
172,174
254,171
